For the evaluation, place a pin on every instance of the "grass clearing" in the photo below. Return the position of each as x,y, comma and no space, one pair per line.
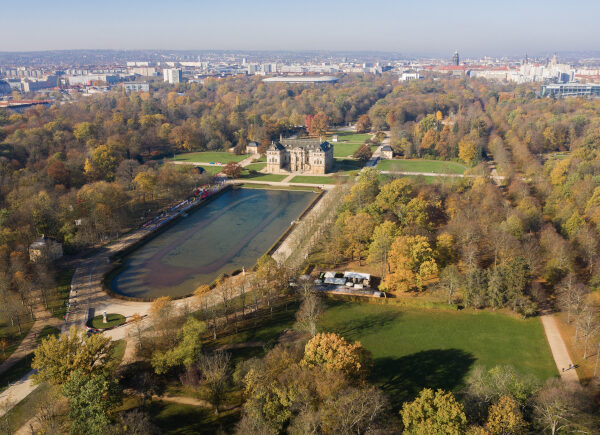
255,166
209,156
113,319
313,179
417,348
349,137
212,170
11,335
418,165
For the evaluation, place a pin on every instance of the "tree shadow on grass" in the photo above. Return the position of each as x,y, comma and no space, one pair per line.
403,378
369,323
173,418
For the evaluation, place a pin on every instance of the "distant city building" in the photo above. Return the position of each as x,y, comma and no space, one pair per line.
301,79
88,79
456,59
45,249
406,77
5,88
305,156
561,90
136,87
173,75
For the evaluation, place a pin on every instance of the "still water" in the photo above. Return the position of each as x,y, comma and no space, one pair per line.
229,233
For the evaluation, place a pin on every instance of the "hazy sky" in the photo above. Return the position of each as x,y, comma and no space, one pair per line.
409,27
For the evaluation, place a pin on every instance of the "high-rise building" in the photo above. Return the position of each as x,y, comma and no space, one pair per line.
173,75
456,58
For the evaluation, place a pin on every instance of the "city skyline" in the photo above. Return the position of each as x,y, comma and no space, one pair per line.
510,28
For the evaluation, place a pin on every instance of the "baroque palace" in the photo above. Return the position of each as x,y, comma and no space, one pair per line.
305,156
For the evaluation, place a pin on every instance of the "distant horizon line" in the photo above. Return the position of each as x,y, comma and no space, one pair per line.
306,51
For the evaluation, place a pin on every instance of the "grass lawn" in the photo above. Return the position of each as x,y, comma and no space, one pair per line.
417,165
113,319
313,179
349,166
16,372
261,177
255,166
349,137
417,348
271,187
209,156
344,149
212,170
46,332
427,179
175,418
57,305
26,409
11,335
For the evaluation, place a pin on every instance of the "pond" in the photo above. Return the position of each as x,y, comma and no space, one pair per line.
230,232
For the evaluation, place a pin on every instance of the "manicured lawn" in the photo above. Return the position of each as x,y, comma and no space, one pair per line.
313,179
344,149
417,165
212,170
262,177
255,166
57,305
113,319
427,179
417,348
209,156
349,166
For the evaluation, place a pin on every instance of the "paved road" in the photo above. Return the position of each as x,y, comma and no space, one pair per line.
559,349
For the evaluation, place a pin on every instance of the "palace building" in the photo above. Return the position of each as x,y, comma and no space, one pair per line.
303,156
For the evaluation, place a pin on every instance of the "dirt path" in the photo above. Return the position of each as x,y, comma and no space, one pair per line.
559,349
29,343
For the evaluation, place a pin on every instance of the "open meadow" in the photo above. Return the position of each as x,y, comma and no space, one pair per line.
418,165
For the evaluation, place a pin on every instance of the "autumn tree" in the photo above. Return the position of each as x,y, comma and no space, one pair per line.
434,413
57,357
185,352
505,418
215,370
363,153
318,124
363,124
411,262
333,352
232,170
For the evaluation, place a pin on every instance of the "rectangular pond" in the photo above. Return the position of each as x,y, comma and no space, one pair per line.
230,232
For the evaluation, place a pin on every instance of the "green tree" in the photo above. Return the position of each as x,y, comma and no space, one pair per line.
185,352
383,236
91,398
434,413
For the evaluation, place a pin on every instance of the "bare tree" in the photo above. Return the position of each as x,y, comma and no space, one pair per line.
215,374
571,296
587,324
450,281
560,406
309,314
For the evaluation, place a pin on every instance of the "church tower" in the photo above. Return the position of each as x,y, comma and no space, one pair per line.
455,58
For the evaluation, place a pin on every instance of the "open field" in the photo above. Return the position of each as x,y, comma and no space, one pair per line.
255,166
427,179
209,156
417,165
212,170
313,179
349,137
417,348
350,166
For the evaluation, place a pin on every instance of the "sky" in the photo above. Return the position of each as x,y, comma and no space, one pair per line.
431,27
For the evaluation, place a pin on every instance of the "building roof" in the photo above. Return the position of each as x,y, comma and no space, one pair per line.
386,148
42,242
307,144
302,79
252,145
